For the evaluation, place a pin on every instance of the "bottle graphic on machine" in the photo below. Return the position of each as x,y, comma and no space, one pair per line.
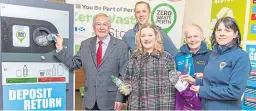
121,85
53,70
60,70
25,71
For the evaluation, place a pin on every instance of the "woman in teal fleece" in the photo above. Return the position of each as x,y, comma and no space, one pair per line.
142,13
226,74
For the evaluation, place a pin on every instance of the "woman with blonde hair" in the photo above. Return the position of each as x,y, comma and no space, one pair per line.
151,72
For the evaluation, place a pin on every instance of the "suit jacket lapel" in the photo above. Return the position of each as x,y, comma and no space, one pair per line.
93,50
110,49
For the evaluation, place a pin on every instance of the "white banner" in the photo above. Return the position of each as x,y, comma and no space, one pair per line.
168,14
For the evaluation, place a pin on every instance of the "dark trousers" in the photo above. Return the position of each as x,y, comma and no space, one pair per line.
95,107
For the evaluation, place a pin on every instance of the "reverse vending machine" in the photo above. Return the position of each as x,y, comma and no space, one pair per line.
32,78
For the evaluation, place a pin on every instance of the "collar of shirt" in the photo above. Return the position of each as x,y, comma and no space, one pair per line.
105,41
104,45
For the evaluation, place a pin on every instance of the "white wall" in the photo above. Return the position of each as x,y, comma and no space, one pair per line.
198,12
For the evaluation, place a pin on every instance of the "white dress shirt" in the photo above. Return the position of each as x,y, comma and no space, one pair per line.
104,45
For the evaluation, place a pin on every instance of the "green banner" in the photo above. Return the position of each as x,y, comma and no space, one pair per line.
232,8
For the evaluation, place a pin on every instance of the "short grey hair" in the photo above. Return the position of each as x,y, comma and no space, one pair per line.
193,26
100,15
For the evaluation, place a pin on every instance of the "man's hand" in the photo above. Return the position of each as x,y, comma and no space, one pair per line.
118,106
59,42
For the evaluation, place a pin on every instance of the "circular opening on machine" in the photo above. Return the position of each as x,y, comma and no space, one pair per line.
40,36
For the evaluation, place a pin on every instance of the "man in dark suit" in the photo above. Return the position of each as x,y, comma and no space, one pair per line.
100,56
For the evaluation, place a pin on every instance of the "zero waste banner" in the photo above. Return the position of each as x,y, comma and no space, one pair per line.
168,14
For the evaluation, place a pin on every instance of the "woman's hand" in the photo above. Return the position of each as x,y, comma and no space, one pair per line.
188,78
125,90
199,75
195,88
